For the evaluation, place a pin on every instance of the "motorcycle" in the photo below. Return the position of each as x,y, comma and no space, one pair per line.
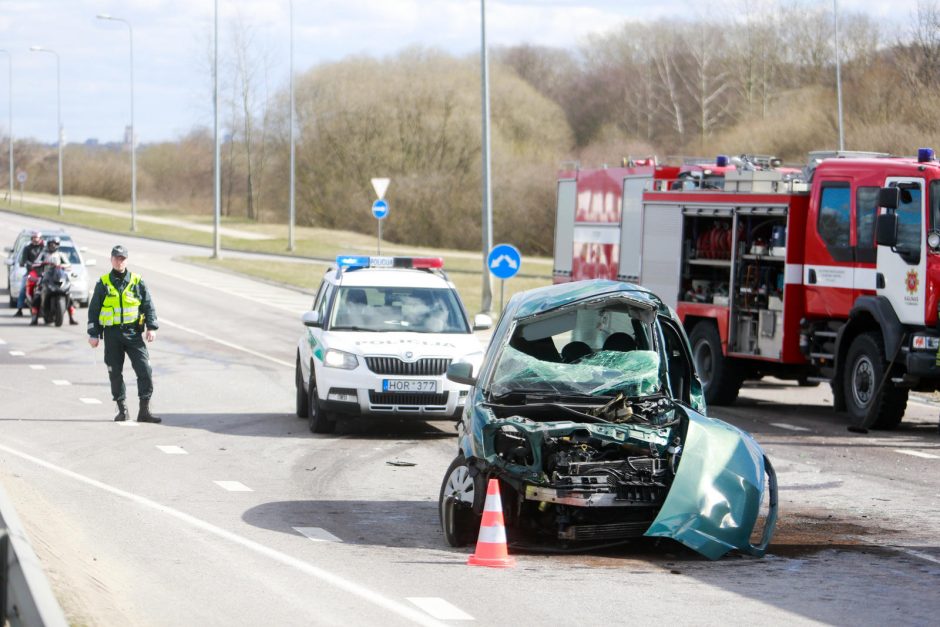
53,296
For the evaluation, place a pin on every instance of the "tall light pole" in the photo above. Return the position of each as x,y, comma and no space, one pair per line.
10,126
292,215
58,89
835,11
486,302
130,30
217,174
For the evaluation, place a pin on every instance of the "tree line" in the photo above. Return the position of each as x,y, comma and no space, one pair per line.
761,82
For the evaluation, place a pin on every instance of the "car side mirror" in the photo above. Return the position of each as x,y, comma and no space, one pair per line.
91,262
886,229
311,318
482,322
889,197
461,372
8,261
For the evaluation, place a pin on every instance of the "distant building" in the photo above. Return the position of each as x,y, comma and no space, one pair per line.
91,142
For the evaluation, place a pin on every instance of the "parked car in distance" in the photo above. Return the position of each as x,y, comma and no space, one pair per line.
588,411
82,284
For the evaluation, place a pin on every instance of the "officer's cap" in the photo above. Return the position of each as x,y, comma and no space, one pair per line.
119,251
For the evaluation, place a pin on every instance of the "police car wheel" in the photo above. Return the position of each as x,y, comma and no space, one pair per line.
302,399
320,421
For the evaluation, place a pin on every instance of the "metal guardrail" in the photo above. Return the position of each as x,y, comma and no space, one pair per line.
26,599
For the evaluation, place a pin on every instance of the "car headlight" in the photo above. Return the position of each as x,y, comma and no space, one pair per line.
340,359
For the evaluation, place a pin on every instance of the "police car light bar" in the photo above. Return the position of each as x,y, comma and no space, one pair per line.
349,262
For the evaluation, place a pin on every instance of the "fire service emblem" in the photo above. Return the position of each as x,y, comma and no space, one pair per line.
912,282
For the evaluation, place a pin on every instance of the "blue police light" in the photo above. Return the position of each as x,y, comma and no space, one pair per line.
352,261
721,161
925,154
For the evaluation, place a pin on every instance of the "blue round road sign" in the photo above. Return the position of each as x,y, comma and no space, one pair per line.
504,261
380,209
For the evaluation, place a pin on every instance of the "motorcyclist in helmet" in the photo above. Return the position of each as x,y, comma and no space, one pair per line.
51,258
30,253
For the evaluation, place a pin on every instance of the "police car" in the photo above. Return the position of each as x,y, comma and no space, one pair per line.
378,340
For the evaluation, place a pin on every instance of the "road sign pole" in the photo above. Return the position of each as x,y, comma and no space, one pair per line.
502,294
378,246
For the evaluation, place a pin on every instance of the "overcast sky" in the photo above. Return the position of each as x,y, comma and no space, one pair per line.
170,47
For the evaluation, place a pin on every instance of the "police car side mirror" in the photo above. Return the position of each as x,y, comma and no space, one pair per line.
886,229
311,318
8,261
481,322
461,373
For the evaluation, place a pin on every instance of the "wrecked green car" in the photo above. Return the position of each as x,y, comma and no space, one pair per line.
588,411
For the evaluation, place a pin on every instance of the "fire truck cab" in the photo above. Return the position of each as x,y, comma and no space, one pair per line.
833,278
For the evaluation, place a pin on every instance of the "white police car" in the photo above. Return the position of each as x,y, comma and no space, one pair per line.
378,341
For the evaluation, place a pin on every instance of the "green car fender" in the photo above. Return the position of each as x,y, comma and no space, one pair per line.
715,498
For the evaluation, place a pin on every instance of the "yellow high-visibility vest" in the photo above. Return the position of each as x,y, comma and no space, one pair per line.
119,307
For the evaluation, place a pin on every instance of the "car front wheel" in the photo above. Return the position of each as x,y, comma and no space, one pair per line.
302,399
320,421
462,494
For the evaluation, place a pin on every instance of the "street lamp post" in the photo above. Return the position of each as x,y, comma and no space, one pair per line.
10,129
130,30
58,89
292,217
217,159
486,304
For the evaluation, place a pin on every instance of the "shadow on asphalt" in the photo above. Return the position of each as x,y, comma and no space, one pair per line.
280,424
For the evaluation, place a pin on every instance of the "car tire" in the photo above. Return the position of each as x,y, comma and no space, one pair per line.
865,365
320,421
721,379
303,401
461,498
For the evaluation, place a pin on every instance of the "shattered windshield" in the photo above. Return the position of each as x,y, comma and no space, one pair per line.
594,350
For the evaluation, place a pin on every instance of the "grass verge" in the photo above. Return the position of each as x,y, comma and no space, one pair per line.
307,276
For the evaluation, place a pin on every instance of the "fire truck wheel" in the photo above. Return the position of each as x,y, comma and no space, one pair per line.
865,366
720,377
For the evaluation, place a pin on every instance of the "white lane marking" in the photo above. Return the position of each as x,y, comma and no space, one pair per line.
36,367
922,404
17,353
233,486
918,554
317,534
440,609
172,450
90,401
60,382
238,292
784,425
280,362
288,560
907,451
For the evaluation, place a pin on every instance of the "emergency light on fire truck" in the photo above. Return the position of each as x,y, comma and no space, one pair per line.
829,273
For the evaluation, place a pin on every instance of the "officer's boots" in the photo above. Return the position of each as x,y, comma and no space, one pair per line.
122,411
144,414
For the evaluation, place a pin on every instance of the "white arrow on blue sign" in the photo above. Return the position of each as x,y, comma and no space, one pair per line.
380,208
504,261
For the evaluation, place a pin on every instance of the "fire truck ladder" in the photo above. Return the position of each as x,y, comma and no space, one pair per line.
822,348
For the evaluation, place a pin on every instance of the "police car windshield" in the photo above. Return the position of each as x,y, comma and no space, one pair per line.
408,309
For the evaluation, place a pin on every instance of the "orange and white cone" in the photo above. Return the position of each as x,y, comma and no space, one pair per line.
491,543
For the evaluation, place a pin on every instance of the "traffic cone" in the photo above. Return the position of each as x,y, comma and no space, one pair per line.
491,544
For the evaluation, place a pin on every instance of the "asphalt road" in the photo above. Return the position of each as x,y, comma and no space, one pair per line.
231,512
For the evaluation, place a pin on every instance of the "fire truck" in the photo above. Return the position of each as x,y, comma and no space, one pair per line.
833,276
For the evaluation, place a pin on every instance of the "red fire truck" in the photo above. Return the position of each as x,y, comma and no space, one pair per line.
834,280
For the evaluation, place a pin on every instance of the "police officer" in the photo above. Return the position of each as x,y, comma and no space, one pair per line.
120,310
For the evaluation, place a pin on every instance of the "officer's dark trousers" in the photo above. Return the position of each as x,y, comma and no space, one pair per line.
119,341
